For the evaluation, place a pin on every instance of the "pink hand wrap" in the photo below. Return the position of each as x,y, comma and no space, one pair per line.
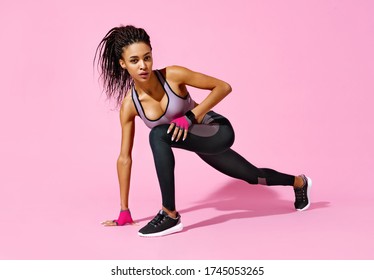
124,218
182,122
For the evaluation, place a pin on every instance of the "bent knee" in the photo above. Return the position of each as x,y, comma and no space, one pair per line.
158,133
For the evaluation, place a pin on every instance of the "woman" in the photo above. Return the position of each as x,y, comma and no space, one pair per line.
160,98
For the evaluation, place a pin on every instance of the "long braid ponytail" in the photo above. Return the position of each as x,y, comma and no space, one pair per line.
116,80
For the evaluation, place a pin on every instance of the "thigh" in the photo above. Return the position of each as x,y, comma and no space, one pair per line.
213,135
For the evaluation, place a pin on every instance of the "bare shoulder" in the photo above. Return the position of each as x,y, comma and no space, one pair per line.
184,76
177,73
127,111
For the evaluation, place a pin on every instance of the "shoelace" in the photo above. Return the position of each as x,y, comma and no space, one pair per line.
156,220
300,193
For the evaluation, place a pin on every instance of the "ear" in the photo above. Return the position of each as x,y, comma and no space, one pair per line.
122,63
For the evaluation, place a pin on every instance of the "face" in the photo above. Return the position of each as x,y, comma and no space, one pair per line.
137,60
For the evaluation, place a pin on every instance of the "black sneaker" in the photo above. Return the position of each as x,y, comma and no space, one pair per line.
302,195
162,225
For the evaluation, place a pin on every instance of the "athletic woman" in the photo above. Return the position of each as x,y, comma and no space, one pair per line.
161,99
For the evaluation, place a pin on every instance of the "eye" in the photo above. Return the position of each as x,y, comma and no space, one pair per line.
133,61
148,57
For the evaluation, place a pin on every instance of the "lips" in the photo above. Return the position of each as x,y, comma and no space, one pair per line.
144,75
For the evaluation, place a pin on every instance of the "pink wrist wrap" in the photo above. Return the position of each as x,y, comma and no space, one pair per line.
182,122
124,218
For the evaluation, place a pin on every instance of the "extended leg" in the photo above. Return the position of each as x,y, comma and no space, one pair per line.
234,165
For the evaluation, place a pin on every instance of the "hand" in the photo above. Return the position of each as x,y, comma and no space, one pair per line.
123,219
179,126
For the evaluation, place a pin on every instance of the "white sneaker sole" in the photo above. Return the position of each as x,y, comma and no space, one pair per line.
174,229
308,194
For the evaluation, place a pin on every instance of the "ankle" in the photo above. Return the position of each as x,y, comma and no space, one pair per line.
299,182
171,214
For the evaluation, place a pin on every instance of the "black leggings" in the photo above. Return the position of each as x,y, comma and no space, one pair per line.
211,140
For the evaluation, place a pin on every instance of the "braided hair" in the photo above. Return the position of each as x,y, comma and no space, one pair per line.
116,80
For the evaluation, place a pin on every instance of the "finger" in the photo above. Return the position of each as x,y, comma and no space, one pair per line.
175,133
180,132
109,223
171,126
185,134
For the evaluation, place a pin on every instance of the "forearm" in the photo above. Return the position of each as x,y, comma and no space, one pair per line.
124,174
215,96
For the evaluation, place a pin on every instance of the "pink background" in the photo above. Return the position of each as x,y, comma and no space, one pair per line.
302,77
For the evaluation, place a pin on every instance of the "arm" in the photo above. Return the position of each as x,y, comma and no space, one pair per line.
181,77
219,89
124,161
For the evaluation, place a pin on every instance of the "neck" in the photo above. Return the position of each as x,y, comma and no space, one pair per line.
148,87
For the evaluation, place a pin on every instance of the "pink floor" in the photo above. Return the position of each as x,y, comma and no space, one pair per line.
224,219
302,74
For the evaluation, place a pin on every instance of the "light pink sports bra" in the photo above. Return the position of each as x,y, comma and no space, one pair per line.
176,107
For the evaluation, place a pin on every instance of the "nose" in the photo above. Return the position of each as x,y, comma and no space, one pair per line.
142,65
